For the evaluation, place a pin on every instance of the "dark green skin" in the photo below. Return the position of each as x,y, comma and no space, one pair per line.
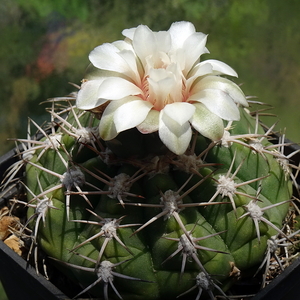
149,248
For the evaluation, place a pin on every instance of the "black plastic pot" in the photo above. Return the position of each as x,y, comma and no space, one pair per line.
20,280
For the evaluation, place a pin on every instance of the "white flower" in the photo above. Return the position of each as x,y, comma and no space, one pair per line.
154,81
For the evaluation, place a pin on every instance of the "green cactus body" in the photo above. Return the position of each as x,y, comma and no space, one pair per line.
85,224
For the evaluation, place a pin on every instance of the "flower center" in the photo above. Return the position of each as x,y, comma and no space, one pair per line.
163,81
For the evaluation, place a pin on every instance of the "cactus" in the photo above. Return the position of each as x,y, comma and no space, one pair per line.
135,196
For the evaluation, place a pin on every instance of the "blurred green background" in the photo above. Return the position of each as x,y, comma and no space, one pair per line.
44,45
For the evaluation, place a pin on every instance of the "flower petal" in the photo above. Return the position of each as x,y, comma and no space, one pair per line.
219,103
207,123
163,41
107,128
218,67
220,83
87,97
93,73
150,124
176,137
131,114
200,70
179,32
129,33
123,45
187,45
144,42
194,47
115,88
106,57
134,68
180,112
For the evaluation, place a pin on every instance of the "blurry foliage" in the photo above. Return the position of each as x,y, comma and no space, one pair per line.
45,45
40,9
